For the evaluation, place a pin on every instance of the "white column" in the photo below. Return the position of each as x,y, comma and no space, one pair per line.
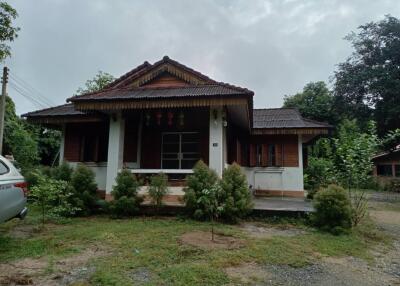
300,146
115,150
62,145
216,153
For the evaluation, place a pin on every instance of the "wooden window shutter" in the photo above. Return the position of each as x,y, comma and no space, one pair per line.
279,155
264,155
253,155
238,152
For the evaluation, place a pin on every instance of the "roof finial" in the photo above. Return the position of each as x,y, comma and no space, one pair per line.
165,58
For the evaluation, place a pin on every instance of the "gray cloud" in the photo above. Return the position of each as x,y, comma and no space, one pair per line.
272,47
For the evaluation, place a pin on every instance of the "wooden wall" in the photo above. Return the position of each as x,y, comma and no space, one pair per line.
74,134
242,149
166,80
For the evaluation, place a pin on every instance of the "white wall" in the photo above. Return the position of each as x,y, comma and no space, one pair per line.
275,178
100,171
216,144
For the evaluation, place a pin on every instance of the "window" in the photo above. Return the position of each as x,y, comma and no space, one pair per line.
180,150
397,170
271,156
3,168
384,170
94,148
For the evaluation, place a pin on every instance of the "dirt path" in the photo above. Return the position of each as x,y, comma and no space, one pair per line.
41,271
329,271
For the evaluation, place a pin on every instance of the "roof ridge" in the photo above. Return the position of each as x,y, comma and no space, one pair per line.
142,66
275,108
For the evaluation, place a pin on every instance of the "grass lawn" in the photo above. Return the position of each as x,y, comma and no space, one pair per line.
153,244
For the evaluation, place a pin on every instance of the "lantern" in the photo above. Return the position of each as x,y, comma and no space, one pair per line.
170,116
147,119
181,119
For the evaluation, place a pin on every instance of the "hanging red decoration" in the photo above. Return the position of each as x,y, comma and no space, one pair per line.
158,116
170,116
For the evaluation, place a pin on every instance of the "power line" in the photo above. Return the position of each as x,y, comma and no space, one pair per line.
31,89
30,98
29,93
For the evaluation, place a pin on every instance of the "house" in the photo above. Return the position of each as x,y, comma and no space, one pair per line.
164,117
387,166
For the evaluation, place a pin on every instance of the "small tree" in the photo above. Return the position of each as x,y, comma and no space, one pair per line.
126,200
202,179
234,194
158,189
211,207
332,210
53,197
85,187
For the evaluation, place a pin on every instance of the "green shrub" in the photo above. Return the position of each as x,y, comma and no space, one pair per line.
53,197
234,196
126,200
85,187
62,172
332,210
158,189
319,173
392,186
202,179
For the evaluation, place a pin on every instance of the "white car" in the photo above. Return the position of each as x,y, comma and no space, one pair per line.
13,192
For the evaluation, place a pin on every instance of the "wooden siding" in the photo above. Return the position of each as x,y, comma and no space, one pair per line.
286,150
131,139
165,80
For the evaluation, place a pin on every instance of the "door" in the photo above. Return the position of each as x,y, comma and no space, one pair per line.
180,150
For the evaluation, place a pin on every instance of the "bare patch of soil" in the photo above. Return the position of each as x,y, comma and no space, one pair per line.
248,273
262,231
203,240
64,271
386,217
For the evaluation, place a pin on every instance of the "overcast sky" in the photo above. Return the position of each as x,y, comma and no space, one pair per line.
271,47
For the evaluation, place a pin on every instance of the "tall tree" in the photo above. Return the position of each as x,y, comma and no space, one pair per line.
314,102
368,83
100,80
8,32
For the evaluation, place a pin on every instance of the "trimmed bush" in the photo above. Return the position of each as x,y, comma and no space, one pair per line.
202,179
126,200
62,172
85,187
234,196
158,189
332,210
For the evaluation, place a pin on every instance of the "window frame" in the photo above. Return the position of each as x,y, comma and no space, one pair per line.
180,155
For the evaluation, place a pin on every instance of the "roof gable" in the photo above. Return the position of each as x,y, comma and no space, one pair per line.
146,73
165,80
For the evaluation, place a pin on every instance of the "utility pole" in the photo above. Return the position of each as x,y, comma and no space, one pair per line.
3,106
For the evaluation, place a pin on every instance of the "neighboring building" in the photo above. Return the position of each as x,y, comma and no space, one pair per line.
387,166
166,116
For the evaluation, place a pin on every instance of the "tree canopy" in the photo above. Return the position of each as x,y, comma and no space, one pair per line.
100,80
314,102
8,32
367,84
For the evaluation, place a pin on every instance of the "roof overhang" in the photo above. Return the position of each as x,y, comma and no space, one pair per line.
288,131
111,105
